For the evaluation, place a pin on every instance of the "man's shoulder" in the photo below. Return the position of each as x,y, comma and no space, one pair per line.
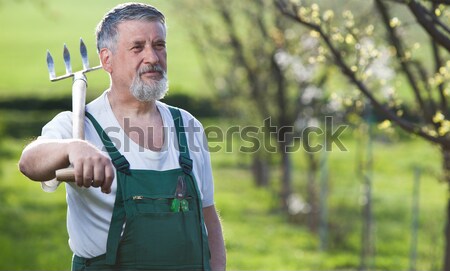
96,104
64,117
59,127
186,115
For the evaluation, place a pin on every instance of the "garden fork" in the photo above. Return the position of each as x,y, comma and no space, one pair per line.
78,98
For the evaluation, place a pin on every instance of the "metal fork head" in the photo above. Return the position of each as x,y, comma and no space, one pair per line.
66,56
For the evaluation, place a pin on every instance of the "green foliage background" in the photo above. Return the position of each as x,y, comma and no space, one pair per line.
32,223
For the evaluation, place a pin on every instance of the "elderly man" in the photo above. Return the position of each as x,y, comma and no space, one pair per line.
142,197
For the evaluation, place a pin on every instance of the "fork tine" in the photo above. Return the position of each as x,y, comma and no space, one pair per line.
50,66
66,56
67,63
84,55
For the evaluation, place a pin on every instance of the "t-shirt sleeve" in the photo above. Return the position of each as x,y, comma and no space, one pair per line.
60,127
208,180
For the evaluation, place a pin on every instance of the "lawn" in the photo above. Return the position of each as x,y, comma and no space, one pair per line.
258,236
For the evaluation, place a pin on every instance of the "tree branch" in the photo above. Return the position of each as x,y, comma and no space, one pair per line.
339,61
255,87
429,22
445,2
401,56
438,62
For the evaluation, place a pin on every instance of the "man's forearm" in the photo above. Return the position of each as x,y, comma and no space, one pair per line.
41,158
215,239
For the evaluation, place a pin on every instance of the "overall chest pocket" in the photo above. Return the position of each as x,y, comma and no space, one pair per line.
148,205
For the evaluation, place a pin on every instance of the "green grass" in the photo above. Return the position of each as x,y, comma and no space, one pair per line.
29,28
258,236
268,243
32,223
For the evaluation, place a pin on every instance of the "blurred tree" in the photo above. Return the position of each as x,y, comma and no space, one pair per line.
424,76
253,62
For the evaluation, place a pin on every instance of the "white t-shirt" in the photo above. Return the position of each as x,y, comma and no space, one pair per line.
89,210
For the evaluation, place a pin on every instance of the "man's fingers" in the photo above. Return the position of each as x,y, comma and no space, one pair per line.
99,176
78,172
88,175
92,168
109,177
96,183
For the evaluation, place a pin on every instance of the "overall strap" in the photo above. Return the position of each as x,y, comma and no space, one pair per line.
184,159
186,164
118,216
119,161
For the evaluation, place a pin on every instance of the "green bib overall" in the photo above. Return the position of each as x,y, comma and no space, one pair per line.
162,214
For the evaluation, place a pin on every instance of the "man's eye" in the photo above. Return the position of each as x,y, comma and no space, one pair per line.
161,45
137,48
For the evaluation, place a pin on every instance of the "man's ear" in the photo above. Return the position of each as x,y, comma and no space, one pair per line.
106,59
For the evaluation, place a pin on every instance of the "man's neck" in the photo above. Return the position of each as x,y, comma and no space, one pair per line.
134,115
126,105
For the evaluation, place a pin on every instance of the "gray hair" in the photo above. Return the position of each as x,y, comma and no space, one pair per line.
106,31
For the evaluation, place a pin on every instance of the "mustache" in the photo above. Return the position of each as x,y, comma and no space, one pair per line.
151,68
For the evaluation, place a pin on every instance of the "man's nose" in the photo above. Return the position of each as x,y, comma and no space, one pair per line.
150,55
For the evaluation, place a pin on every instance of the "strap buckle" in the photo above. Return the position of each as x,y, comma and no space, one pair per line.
186,164
121,164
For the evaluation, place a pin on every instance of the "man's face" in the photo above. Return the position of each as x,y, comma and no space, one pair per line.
139,62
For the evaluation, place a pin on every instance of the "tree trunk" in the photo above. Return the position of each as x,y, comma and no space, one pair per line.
447,240
446,168
312,198
368,249
286,175
260,169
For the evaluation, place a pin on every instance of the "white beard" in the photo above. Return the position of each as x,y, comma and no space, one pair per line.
153,91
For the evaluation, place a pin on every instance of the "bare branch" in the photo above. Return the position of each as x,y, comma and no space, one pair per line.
207,68
429,22
404,62
441,86
238,49
438,64
423,74
445,2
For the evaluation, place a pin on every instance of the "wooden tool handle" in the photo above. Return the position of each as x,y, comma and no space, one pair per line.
65,175
78,106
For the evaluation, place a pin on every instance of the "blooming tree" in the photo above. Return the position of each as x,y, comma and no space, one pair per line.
424,79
